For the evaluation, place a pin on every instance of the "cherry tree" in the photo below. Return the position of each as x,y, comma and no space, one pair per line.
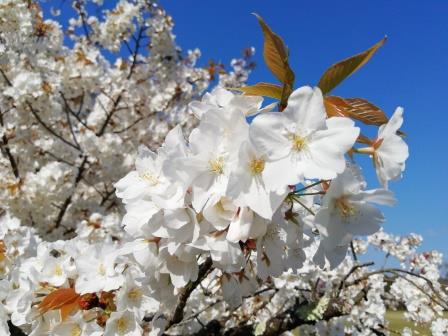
138,199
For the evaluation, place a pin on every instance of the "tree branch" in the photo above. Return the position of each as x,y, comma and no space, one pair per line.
68,200
178,314
7,152
131,71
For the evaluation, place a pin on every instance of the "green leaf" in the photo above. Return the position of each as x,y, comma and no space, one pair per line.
262,89
343,69
276,54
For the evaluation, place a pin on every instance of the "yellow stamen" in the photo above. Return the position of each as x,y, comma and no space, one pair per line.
76,331
122,325
217,165
102,270
298,143
58,270
134,293
150,178
256,166
345,208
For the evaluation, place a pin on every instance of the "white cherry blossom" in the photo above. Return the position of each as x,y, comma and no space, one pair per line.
300,142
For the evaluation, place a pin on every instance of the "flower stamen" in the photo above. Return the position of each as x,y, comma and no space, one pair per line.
256,166
217,165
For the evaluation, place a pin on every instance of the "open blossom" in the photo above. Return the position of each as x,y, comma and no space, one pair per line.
76,325
250,183
96,268
213,149
226,100
300,142
122,323
347,211
389,150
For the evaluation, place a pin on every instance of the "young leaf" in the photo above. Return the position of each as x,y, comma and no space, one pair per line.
343,69
276,54
365,111
262,89
335,106
67,309
58,299
356,108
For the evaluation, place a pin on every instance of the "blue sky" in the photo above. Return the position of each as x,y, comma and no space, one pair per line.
411,70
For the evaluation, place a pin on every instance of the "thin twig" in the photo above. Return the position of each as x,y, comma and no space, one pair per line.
352,270
50,130
131,72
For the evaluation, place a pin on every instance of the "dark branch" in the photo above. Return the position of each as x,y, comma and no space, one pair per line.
68,200
36,115
7,152
50,130
131,72
178,314
352,270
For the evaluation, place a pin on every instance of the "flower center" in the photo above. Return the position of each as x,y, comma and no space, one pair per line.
298,142
134,294
76,331
122,325
345,208
58,270
217,165
256,166
150,178
102,270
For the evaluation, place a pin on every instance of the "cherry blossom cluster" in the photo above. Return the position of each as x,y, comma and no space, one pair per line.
73,116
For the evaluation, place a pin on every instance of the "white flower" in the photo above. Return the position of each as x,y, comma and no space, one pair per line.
346,211
270,249
180,263
390,150
214,147
96,269
4,328
220,212
226,100
249,183
122,323
76,326
231,290
56,270
246,225
439,327
301,142
148,181
134,295
225,254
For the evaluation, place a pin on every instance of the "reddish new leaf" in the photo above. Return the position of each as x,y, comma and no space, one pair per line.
343,69
365,111
276,54
262,89
65,299
356,108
